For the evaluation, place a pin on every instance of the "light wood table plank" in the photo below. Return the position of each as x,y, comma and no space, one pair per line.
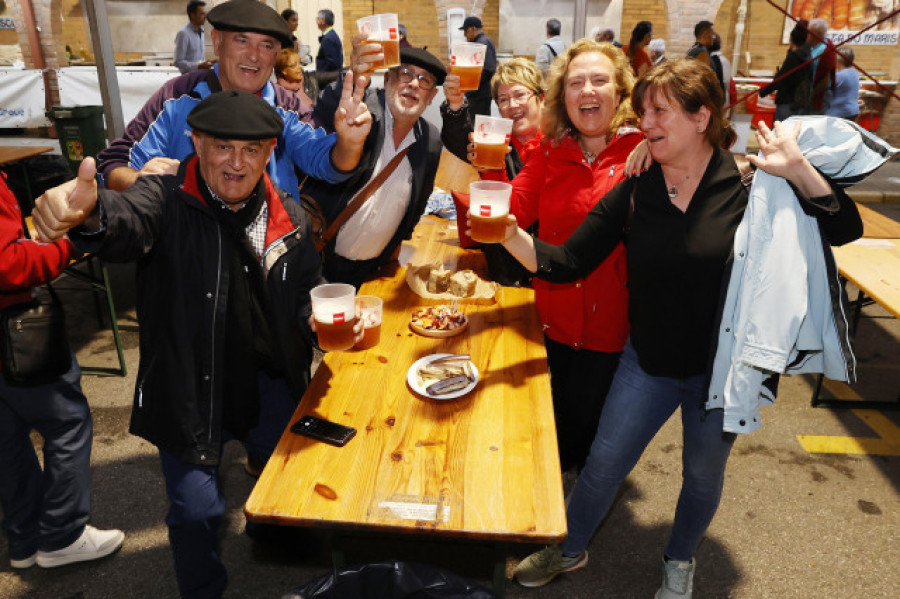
877,225
484,466
13,153
873,265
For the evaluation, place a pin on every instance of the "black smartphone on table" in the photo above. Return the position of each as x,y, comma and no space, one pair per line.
323,430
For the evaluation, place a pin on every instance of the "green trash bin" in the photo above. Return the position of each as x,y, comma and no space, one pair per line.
80,130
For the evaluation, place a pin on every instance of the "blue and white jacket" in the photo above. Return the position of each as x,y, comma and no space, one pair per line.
161,129
785,310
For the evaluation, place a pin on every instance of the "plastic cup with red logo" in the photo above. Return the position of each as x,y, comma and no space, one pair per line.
467,61
384,30
488,208
334,310
491,137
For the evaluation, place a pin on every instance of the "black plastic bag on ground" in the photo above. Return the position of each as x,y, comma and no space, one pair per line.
390,580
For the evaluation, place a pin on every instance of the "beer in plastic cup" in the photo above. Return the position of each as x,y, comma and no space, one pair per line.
334,309
383,29
467,60
488,208
491,137
370,308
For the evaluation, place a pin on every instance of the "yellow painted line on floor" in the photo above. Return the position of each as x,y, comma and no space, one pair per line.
886,443
848,445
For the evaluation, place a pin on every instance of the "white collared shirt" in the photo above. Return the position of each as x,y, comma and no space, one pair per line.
368,231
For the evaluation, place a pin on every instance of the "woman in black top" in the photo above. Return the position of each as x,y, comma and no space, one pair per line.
686,209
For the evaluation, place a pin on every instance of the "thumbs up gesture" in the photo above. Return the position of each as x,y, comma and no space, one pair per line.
66,205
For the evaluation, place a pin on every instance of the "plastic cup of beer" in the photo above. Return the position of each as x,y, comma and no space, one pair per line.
334,309
467,60
370,309
384,30
491,137
488,208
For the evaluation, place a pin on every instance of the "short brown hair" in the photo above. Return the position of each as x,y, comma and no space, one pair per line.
556,118
690,85
518,71
281,62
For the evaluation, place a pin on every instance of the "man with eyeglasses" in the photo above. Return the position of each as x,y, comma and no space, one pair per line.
370,237
247,37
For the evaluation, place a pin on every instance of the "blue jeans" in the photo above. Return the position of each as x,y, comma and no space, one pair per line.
197,506
637,406
45,509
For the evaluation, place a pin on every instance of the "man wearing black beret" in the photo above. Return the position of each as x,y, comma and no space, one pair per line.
372,234
225,266
247,36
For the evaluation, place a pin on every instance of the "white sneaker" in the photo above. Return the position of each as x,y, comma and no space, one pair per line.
21,564
678,580
92,544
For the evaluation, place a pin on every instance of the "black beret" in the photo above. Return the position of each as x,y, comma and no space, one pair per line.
250,15
469,22
234,114
426,60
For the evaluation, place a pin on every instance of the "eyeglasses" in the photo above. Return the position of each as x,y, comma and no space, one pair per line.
520,98
406,74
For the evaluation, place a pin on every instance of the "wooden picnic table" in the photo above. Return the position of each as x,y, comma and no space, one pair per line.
877,225
873,266
483,467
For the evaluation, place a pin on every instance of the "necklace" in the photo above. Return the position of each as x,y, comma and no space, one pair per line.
589,156
672,190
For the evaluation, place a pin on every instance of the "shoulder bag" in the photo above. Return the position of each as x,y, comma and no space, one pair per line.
322,233
34,346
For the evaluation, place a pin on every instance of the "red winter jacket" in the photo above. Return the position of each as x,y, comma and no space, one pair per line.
25,263
558,188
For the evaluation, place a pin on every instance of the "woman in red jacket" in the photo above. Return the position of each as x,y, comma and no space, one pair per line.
45,510
586,139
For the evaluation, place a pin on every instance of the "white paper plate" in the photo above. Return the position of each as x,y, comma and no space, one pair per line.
413,381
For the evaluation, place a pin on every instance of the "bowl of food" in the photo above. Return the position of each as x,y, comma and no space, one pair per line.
444,320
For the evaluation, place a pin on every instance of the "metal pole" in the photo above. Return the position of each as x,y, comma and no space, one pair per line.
101,41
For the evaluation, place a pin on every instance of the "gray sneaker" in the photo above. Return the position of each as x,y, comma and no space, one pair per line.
678,580
540,568
92,544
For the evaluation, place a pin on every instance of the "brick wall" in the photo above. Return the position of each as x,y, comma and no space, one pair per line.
646,10
425,22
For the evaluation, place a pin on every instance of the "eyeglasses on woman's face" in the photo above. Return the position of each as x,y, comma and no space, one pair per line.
519,97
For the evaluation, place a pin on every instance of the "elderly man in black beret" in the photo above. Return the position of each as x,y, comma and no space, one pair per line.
247,37
225,266
372,234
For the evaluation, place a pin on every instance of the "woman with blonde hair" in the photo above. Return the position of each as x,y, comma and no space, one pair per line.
581,156
518,89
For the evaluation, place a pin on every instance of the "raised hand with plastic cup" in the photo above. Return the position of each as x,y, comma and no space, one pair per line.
488,211
384,30
467,61
491,140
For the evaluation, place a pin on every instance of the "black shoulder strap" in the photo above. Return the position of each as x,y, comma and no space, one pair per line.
552,51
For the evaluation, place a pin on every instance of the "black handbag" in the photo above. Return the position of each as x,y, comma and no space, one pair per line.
34,347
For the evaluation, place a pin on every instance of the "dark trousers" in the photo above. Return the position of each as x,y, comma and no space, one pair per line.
197,506
45,509
579,380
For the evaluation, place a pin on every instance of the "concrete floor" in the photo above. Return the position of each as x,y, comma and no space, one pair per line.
791,524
